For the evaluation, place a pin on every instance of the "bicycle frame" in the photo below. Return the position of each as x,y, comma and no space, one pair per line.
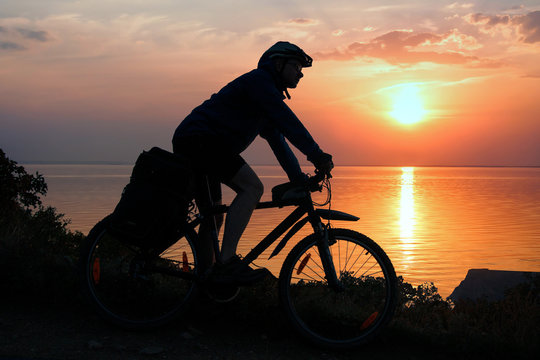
292,223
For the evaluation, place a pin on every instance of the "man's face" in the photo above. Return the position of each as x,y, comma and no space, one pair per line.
291,73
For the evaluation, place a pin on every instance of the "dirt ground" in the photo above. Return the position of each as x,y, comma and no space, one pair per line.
33,328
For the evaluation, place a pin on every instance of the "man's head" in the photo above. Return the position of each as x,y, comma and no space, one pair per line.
289,70
288,60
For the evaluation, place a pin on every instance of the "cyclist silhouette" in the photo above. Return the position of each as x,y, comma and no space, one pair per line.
214,134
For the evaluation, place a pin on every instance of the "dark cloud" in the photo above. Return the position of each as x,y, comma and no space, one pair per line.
527,26
401,47
13,37
34,35
8,45
489,21
302,21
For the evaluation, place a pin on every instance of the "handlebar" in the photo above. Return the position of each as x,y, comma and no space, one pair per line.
314,182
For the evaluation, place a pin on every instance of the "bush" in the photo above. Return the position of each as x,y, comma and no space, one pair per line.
478,328
37,251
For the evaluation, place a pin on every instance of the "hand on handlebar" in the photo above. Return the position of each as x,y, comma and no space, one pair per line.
324,164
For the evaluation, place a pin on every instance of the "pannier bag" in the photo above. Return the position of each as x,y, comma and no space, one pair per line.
156,201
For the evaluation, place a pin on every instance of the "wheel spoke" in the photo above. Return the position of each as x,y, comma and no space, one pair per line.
343,316
134,288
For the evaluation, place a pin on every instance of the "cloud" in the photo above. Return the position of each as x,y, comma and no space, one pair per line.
8,45
383,8
297,29
16,39
533,76
525,27
405,47
488,22
529,27
457,5
303,22
33,35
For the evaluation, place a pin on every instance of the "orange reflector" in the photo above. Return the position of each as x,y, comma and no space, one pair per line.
96,270
185,264
303,264
369,320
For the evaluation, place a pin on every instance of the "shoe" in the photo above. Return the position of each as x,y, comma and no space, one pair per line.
235,271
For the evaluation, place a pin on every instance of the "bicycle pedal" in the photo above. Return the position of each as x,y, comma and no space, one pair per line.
222,293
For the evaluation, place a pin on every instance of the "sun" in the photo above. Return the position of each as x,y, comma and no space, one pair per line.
408,106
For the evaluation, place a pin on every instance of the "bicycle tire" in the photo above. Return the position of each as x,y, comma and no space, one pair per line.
345,318
119,282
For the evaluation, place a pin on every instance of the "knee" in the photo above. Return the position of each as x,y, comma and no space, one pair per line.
247,183
254,190
258,189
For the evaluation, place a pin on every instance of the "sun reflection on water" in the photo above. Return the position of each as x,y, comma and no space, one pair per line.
407,219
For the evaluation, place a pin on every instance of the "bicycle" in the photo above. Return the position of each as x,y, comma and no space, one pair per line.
337,287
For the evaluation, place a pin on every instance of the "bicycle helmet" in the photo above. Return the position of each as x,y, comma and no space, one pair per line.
287,50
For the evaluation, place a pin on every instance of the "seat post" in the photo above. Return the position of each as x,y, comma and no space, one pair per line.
210,203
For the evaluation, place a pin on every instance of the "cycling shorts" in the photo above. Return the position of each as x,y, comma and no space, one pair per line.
211,158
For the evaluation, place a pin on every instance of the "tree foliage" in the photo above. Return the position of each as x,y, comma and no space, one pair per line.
35,245
19,190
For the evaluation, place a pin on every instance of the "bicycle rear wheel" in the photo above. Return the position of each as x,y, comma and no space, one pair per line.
132,288
345,316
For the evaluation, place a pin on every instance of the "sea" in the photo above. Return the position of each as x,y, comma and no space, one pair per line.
435,223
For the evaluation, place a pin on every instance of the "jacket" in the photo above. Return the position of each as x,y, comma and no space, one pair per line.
250,105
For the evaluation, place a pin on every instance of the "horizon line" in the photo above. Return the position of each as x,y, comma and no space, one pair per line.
105,162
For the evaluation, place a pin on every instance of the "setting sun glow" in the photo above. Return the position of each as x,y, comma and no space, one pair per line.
408,106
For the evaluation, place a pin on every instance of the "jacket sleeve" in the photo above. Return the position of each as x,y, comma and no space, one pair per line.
283,152
264,93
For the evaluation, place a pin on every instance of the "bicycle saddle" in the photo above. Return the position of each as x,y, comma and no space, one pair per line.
288,191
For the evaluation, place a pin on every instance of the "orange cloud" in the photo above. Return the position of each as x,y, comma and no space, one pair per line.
405,47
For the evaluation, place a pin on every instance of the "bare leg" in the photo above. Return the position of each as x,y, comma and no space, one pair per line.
208,226
206,240
249,189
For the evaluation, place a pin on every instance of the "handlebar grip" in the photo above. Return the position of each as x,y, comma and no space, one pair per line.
313,183
322,175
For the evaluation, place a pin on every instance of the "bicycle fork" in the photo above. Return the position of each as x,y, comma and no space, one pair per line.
323,244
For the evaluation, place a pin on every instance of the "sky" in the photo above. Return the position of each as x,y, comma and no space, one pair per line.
393,82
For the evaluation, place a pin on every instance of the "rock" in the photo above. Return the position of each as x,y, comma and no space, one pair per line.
489,284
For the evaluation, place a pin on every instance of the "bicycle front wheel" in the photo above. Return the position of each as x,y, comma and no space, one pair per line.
133,287
346,314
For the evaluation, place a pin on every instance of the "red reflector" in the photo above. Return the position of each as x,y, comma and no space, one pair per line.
185,264
369,320
303,264
96,270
